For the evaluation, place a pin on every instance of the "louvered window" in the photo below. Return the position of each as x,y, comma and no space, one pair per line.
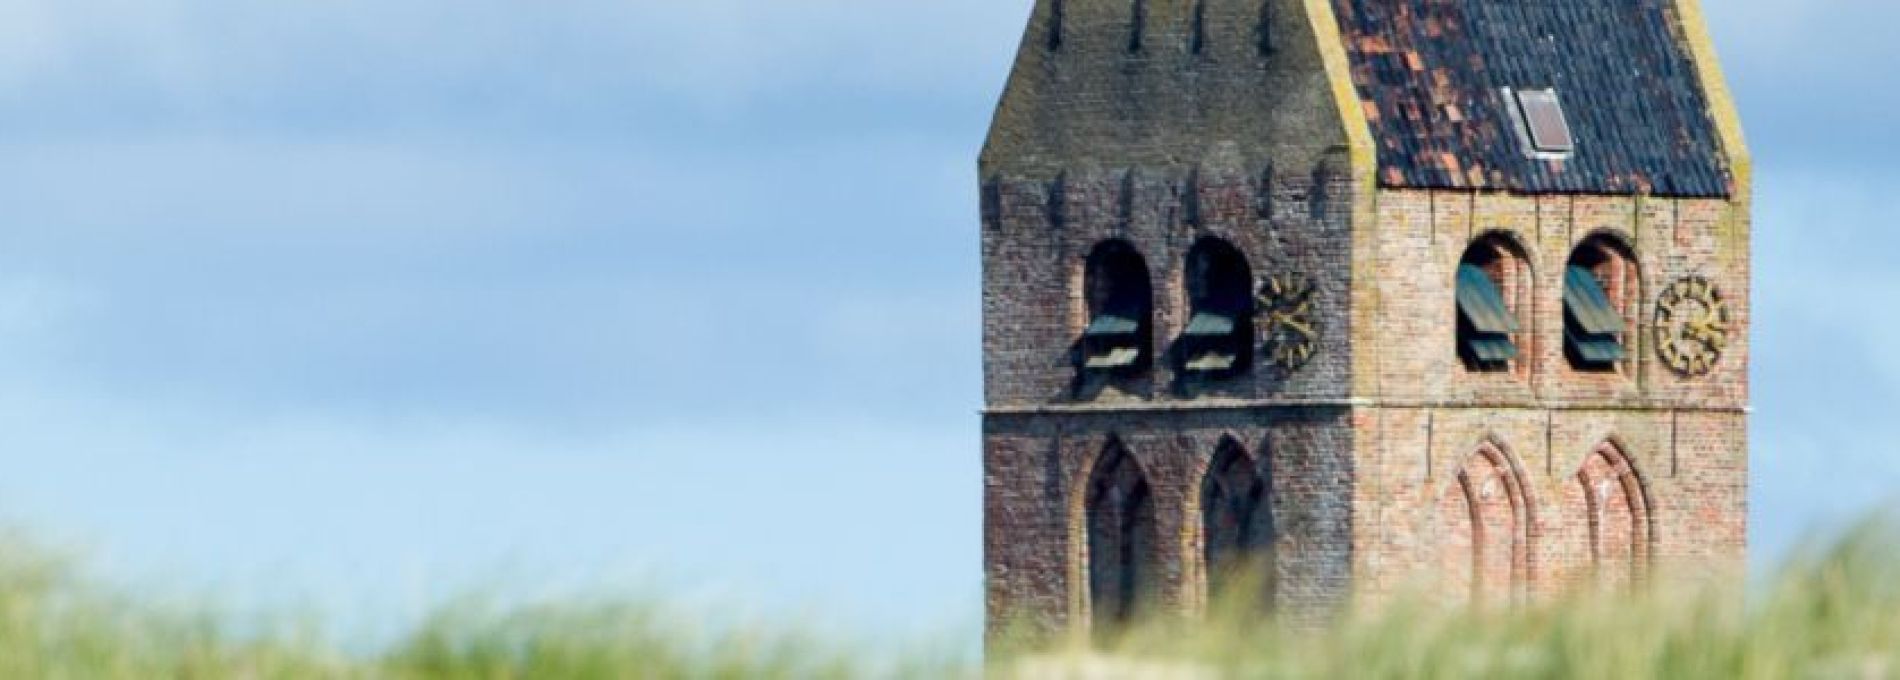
1599,283
1120,305
1485,321
1218,338
1113,341
1593,329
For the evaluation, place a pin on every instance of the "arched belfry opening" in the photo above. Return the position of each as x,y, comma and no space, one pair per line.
1601,288
1123,573
1118,339
1218,340
1610,498
1483,525
1493,294
1237,526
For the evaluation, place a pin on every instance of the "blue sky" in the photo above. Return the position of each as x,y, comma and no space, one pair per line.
365,303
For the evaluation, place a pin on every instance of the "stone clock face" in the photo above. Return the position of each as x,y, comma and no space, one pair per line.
1692,326
1286,301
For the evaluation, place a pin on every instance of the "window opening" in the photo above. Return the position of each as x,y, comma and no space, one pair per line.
1485,321
1219,335
1120,306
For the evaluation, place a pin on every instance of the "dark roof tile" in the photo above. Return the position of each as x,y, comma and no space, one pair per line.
1431,73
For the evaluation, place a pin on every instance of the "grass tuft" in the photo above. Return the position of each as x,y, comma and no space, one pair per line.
1832,610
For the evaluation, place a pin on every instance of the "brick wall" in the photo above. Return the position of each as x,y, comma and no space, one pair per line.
1038,236
1663,454
1418,237
1036,469
1043,435
1509,485
1160,123
1390,462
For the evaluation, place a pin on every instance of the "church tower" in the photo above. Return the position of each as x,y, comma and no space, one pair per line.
1339,297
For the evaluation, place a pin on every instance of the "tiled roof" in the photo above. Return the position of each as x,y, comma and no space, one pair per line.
1430,74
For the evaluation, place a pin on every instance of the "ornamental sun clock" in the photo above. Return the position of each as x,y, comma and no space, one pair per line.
1326,299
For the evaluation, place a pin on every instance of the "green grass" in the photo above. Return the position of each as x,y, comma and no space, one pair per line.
1833,611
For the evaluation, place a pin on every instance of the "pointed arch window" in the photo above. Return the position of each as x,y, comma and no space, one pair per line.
1122,567
1610,500
1483,520
1237,525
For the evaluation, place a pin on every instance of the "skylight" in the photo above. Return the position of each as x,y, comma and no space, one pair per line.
1541,123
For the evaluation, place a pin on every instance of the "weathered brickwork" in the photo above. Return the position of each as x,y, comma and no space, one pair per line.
1387,461
1036,246
1036,473
1549,417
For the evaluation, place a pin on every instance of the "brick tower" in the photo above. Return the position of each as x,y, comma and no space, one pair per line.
1339,296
